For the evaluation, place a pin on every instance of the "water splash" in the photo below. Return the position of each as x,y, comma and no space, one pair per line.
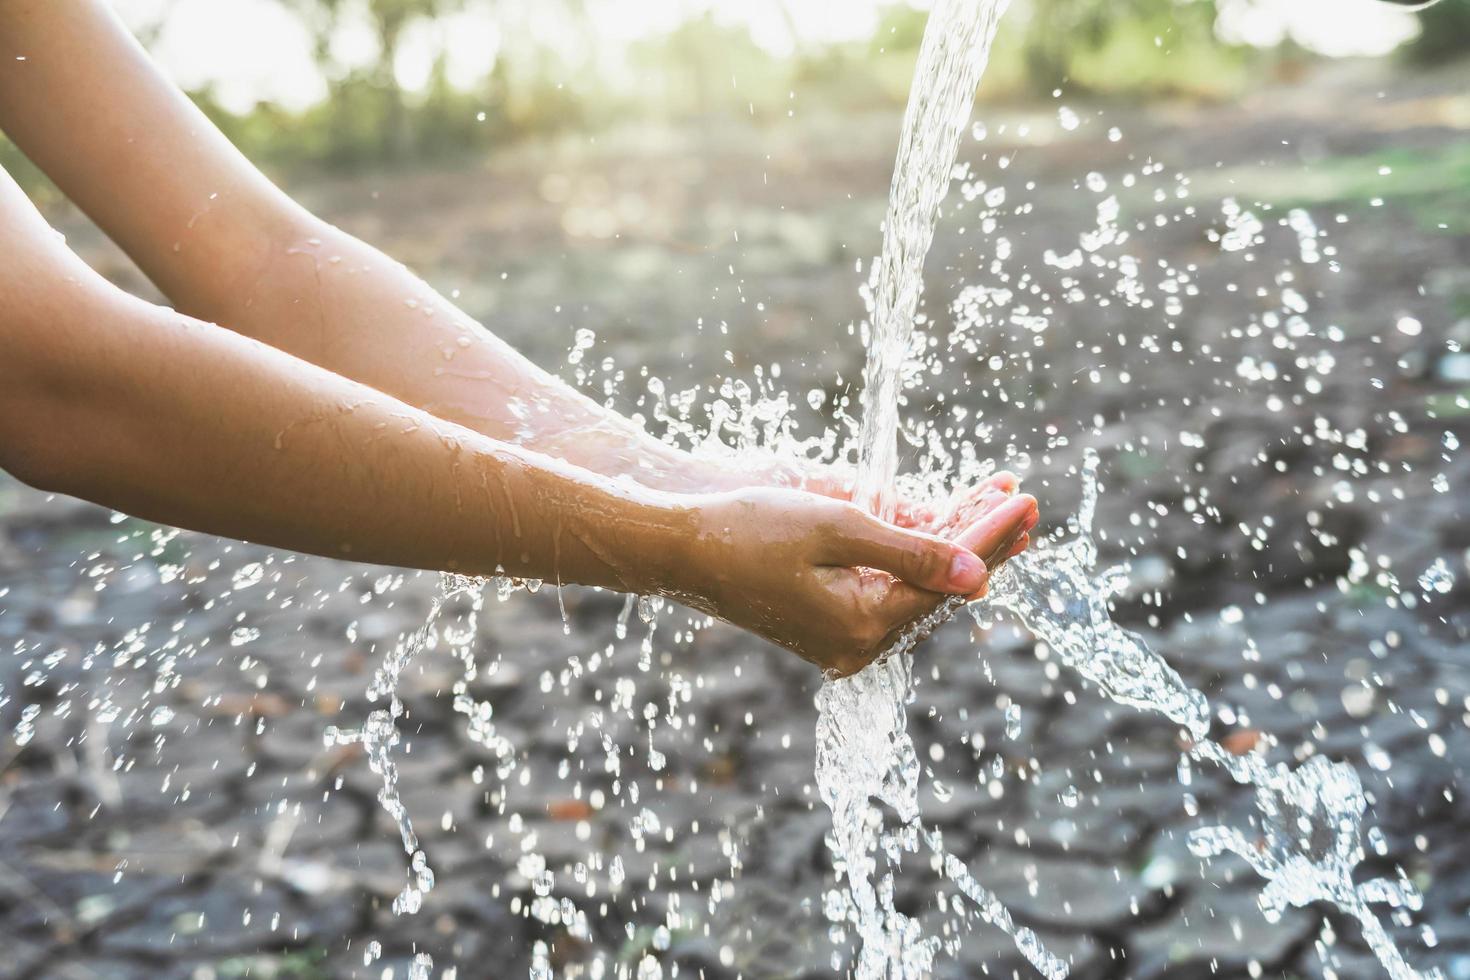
864,750
1305,838
952,58
379,734
1308,822
1061,596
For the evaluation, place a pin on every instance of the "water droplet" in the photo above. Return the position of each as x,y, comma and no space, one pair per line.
247,576
1437,578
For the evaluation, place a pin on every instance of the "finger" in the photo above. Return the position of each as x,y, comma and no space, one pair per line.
1013,547
970,505
962,508
1004,481
997,557
919,559
965,513
995,487
912,514
992,534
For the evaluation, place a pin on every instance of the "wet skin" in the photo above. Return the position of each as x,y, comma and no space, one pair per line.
349,410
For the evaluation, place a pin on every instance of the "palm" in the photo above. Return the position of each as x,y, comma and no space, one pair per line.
948,519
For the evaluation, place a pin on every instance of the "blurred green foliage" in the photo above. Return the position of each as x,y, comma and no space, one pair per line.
367,114
703,71
1133,47
1429,185
1444,35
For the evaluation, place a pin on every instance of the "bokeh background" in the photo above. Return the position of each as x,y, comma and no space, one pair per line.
700,185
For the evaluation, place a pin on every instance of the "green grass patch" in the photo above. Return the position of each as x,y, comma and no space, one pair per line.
1431,185
306,964
1448,404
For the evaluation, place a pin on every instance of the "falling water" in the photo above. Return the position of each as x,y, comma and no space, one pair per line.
864,750
952,58
1305,837
379,735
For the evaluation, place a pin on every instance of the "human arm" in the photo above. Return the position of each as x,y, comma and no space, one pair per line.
160,415
89,107
149,411
226,245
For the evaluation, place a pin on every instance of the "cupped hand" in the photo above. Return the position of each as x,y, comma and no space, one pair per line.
967,509
946,519
832,583
836,481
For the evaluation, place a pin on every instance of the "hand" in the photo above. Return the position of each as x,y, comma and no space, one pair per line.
966,509
836,481
827,580
963,510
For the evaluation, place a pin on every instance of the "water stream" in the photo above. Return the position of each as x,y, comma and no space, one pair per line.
1305,832
1305,838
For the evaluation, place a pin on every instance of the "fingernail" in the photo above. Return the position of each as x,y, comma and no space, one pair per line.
966,573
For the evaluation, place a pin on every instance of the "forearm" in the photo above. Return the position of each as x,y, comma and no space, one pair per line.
330,298
152,413
77,93
82,99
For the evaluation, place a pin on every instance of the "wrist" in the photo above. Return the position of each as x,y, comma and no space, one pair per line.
627,536
668,543
559,522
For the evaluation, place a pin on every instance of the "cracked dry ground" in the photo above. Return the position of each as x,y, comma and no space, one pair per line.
218,837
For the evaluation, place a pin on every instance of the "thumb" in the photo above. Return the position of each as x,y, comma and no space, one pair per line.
921,560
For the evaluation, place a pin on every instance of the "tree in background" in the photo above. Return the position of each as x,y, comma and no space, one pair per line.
708,69
390,17
1064,40
703,67
1444,34
370,106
